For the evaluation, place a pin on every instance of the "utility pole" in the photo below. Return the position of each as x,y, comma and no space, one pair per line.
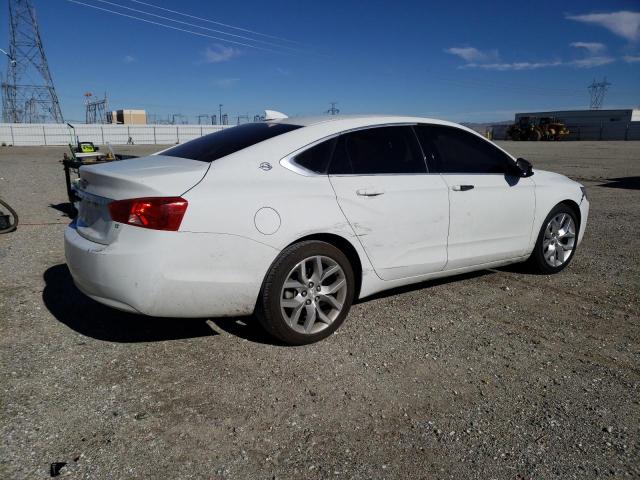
597,90
28,94
333,110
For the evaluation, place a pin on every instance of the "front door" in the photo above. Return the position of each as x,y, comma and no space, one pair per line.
491,208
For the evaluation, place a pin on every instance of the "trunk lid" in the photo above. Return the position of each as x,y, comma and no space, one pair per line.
153,176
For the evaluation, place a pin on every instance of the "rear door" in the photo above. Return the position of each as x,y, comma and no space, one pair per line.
491,210
399,211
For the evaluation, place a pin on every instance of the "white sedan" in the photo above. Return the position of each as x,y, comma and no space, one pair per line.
295,218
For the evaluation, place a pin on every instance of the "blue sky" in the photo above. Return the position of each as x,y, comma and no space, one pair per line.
462,60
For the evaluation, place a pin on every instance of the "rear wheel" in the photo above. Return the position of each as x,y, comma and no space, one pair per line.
307,293
9,221
557,241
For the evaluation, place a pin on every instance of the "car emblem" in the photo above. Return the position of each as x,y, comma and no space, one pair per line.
266,166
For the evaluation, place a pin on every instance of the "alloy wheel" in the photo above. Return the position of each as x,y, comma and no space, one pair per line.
559,239
313,294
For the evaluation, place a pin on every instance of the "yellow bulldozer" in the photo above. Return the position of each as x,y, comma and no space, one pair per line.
537,128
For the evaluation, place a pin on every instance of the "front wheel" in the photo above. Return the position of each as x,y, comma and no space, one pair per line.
557,241
307,293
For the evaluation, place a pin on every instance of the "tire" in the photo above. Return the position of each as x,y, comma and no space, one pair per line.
305,310
11,213
558,233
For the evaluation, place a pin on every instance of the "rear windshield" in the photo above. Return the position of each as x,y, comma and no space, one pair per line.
230,140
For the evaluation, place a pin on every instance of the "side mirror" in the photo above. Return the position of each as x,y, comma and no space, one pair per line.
525,168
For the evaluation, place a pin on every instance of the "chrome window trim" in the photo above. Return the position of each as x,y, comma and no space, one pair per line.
289,163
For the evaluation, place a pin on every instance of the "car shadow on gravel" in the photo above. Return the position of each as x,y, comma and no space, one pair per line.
627,183
88,317
247,328
64,208
425,284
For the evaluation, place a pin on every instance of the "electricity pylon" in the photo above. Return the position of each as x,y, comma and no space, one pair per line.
28,94
597,91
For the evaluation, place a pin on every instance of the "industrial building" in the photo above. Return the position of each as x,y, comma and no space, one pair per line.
127,117
588,117
622,124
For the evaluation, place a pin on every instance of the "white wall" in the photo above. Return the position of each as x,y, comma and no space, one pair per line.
60,134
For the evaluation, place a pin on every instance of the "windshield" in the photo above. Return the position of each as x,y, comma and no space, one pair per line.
230,140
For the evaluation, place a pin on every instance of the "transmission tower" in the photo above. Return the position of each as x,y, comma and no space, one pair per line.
28,94
333,110
178,119
597,91
95,109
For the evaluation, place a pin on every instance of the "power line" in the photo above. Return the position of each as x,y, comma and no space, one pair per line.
198,26
517,88
175,28
213,21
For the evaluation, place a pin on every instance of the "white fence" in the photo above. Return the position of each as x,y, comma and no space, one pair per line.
19,134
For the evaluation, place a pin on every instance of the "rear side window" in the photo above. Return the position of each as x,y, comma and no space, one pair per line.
230,140
458,151
381,150
317,157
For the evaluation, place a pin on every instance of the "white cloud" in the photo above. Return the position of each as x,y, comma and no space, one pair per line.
224,82
472,54
631,58
594,48
513,66
591,62
588,62
624,24
129,59
219,53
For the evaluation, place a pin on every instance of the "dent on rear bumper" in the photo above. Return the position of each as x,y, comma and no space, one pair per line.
170,274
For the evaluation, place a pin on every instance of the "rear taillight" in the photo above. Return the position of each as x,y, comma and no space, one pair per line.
157,213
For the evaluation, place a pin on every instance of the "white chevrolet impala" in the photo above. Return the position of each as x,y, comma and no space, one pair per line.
295,218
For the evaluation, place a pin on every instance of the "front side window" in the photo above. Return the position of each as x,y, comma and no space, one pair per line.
458,151
230,140
380,150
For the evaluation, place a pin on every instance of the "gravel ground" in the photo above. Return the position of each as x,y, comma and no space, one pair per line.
493,375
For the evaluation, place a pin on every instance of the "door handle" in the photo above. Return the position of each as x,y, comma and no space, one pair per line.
369,192
461,188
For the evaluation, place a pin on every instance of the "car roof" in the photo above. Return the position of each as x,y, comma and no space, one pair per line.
371,119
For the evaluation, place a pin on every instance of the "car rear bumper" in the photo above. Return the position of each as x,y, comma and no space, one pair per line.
170,274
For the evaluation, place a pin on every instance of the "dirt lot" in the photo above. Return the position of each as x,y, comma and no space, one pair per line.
489,376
